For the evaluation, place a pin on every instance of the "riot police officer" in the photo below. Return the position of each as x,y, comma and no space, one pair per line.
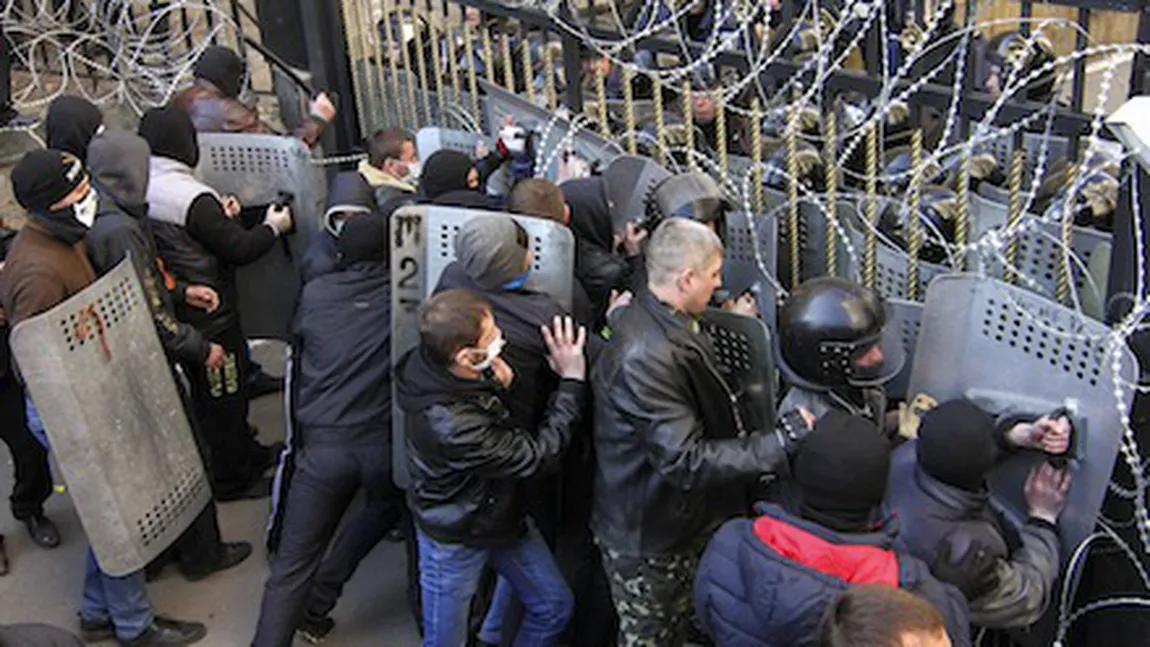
833,349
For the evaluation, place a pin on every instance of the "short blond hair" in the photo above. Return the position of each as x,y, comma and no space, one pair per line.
679,244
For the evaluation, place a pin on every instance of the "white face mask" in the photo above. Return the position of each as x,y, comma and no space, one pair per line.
413,170
493,351
85,209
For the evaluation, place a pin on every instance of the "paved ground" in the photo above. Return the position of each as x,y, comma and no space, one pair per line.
44,586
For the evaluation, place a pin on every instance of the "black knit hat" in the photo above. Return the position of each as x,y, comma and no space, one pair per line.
170,133
45,177
223,68
444,171
957,445
841,472
363,238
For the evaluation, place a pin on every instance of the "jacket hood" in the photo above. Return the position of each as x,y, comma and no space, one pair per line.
350,192
590,213
118,165
171,134
421,383
446,170
377,178
223,68
71,124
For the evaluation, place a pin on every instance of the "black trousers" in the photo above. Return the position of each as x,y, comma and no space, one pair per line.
221,409
33,483
325,478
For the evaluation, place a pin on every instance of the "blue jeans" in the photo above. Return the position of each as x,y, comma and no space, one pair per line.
123,601
449,575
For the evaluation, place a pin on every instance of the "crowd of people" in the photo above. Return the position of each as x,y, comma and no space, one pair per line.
582,475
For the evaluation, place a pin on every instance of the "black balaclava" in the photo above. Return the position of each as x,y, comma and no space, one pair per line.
71,124
841,472
364,238
222,68
957,445
170,133
444,171
590,213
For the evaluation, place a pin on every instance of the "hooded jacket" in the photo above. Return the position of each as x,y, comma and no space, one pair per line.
597,267
343,337
934,512
196,240
71,123
767,582
118,164
348,192
466,459
674,458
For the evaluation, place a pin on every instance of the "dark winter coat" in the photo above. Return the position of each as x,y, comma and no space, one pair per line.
118,163
767,582
674,458
466,459
343,335
933,512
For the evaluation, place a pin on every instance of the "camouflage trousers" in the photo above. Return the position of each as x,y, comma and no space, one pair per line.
652,597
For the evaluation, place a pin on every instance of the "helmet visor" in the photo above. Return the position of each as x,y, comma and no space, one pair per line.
878,363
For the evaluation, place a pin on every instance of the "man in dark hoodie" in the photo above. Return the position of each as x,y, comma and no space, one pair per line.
342,437
938,488
450,178
212,100
202,244
468,462
71,123
768,581
118,162
46,266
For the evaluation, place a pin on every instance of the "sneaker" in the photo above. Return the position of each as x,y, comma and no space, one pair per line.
314,630
42,531
260,384
232,554
94,631
165,632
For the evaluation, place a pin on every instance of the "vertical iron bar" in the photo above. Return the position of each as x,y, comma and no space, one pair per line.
601,101
505,53
830,155
488,58
689,125
1064,283
757,156
420,63
913,223
660,120
792,144
549,73
241,47
721,140
436,66
871,245
1014,214
393,65
962,218
408,71
528,68
452,58
472,74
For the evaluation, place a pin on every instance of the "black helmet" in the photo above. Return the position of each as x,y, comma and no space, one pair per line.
1015,55
810,168
693,195
936,214
825,325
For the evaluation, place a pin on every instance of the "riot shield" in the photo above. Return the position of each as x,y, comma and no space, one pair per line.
101,383
422,245
749,254
1011,350
891,265
743,347
555,134
906,317
259,170
430,140
630,182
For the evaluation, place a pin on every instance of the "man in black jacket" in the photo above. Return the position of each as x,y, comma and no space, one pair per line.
674,457
468,462
118,163
342,412
201,243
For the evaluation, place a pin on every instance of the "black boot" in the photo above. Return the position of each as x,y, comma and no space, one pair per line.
43,532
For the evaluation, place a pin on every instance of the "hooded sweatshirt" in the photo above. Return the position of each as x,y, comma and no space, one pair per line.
349,192
71,124
197,241
597,267
118,164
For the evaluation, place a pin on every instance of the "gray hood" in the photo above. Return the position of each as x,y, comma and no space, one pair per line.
118,165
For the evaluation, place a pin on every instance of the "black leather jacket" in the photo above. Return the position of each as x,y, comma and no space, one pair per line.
673,458
467,462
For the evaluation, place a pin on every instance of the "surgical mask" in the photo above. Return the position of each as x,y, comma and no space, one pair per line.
413,171
85,210
492,352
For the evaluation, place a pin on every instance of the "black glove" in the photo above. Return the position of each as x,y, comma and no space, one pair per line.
975,574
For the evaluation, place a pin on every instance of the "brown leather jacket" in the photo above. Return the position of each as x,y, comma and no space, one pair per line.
212,112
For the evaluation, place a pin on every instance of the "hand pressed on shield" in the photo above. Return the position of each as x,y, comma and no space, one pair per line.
232,206
1046,489
216,356
745,305
1051,435
322,107
565,346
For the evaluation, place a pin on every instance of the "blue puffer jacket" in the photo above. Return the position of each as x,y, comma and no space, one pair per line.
767,582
